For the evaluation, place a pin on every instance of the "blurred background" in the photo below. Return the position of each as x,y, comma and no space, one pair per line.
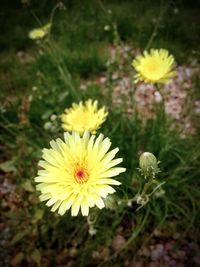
92,47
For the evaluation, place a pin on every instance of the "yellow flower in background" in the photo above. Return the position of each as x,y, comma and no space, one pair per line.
40,33
154,67
81,117
77,173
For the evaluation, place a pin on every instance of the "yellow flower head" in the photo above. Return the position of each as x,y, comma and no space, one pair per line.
40,33
81,117
154,67
77,173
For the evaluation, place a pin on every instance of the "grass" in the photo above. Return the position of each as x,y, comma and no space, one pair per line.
48,82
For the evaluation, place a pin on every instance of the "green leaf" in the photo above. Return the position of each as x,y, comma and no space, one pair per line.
28,186
17,259
11,214
63,96
19,236
47,114
36,256
8,166
38,215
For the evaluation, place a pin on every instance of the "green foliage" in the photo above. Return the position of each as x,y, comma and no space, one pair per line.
77,51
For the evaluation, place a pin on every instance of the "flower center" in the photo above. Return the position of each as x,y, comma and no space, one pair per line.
81,175
82,117
152,67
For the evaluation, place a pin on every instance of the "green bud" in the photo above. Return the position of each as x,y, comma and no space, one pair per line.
111,202
148,164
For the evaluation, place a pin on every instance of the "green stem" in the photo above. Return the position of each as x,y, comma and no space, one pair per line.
62,68
161,107
135,233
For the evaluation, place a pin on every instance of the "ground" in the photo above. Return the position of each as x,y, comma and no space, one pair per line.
89,55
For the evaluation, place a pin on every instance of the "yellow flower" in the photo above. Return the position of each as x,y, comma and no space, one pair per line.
154,67
81,117
40,33
77,173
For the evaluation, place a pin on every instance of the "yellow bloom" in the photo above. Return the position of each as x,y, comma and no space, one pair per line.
81,117
77,173
40,33
153,67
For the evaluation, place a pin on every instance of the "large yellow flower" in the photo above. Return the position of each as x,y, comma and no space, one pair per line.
40,33
77,173
154,67
81,117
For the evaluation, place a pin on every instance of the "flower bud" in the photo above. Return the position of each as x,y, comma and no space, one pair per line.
47,125
111,202
92,231
106,28
142,200
158,97
53,117
148,164
159,193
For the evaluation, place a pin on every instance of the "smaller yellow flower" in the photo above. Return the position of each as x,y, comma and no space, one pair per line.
81,117
154,67
40,33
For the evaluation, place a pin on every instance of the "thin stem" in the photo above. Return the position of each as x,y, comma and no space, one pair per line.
135,233
155,30
156,188
161,111
62,68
